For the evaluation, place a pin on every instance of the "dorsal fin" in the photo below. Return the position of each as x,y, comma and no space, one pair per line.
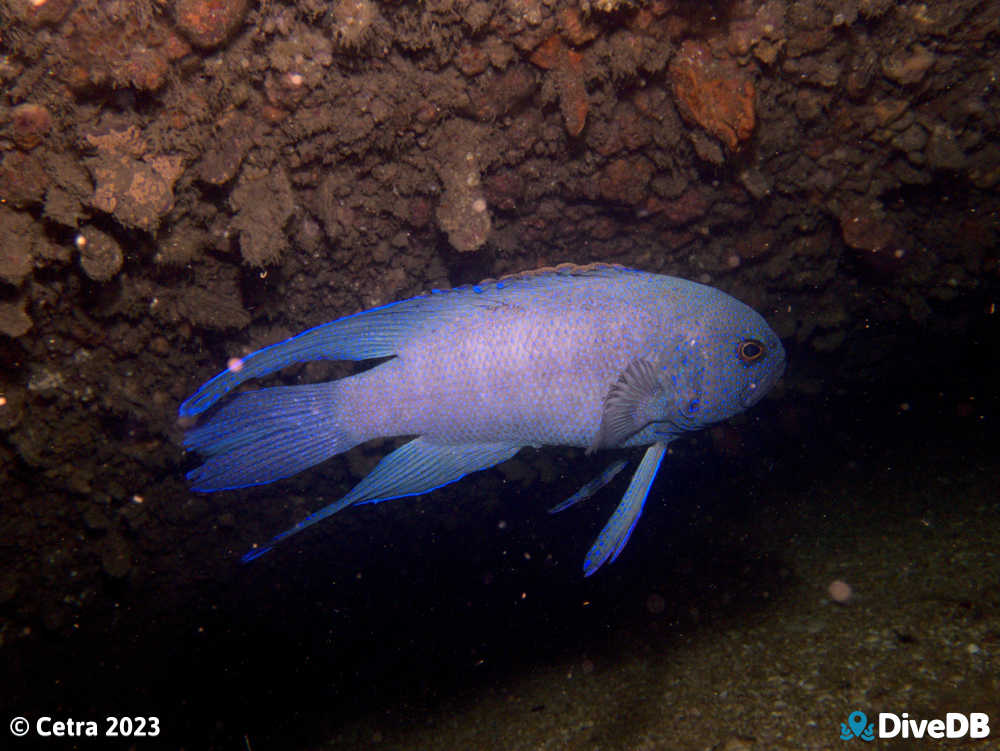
540,276
382,331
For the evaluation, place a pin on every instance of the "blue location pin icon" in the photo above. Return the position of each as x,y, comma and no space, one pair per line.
857,721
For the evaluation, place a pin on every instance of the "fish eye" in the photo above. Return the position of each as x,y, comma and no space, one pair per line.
750,350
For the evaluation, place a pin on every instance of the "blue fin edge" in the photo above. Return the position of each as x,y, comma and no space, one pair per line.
609,474
415,468
615,534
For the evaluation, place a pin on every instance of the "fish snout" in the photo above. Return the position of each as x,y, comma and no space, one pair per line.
760,384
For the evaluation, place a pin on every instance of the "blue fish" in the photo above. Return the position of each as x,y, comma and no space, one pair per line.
596,356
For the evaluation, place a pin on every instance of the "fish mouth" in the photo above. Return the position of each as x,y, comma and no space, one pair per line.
759,388
755,391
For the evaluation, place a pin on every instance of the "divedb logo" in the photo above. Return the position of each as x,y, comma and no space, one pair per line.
890,725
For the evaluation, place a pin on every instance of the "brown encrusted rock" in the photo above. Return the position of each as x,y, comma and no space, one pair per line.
471,60
626,180
208,23
715,94
628,129
182,244
683,209
354,22
327,202
210,309
45,252
14,322
264,204
235,137
766,25
573,102
706,148
100,254
16,239
462,212
688,207
212,301
35,13
117,44
879,243
907,68
943,150
865,227
505,190
577,29
138,193
30,123
118,138
567,67
145,69
22,180
499,95
71,188
465,219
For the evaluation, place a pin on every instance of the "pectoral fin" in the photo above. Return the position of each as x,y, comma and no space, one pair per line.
609,474
616,532
630,404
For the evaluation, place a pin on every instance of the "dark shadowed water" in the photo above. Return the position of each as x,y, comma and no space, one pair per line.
183,183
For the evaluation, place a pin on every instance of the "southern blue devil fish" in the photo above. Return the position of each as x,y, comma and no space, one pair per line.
593,356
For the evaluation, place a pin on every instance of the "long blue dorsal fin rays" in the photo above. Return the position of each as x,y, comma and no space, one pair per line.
379,332
363,336
609,474
414,468
611,541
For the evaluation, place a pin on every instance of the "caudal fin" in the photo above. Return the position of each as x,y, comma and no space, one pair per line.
266,435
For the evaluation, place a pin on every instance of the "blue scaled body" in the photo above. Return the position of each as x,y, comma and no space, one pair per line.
596,356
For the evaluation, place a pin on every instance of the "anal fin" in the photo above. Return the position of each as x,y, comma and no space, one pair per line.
414,468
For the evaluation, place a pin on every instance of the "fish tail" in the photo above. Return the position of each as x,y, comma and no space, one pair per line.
266,435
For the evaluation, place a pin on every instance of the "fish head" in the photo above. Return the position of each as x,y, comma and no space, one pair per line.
726,359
